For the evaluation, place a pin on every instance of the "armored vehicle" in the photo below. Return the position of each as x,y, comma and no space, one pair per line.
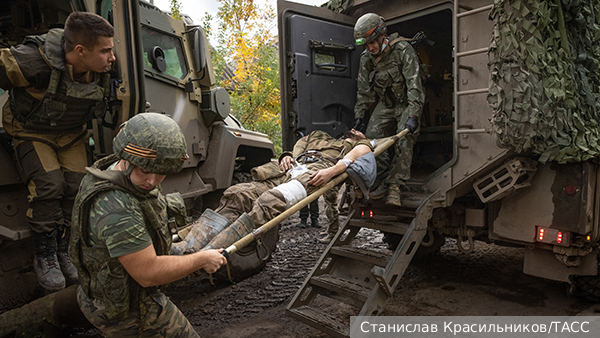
507,151
163,65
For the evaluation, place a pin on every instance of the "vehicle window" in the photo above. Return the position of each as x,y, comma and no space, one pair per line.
331,61
106,9
171,46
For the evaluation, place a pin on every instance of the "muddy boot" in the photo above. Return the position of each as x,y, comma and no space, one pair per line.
45,262
302,223
209,225
379,192
238,229
314,222
393,198
68,269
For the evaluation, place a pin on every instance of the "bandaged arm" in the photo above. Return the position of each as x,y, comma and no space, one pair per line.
323,176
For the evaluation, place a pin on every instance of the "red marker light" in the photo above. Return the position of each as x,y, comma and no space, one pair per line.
559,237
570,189
541,234
362,214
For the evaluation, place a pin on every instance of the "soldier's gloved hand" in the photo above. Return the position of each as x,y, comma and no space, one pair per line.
412,124
359,125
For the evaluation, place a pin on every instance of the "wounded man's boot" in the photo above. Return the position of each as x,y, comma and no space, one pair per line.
238,229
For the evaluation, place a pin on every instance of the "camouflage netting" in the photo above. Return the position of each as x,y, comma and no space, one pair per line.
338,6
544,85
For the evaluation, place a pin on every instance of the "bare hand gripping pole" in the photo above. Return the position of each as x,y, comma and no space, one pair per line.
382,145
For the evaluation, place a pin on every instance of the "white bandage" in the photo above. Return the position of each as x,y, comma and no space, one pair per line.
293,192
346,161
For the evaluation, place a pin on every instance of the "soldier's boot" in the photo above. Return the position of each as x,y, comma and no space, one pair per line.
67,268
302,223
45,262
379,192
393,198
314,222
359,194
332,229
238,229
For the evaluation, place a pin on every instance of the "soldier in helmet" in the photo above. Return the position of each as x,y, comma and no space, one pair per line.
120,241
389,79
57,82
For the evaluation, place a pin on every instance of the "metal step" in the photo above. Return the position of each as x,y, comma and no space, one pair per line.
342,286
363,255
393,227
321,320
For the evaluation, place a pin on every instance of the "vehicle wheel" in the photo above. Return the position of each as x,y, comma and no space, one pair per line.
392,241
246,262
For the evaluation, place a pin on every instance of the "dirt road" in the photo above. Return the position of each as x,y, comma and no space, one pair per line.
488,282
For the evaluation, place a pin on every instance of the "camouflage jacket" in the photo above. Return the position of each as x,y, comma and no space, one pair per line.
327,145
128,218
392,77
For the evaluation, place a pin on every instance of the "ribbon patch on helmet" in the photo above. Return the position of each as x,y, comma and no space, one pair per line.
140,151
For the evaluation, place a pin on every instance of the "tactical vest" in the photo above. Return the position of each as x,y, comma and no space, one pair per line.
66,105
102,277
386,77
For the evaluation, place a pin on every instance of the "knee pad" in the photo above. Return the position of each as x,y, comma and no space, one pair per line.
293,192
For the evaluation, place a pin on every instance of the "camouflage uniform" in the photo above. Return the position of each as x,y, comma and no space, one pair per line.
392,81
264,203
114,218
46,116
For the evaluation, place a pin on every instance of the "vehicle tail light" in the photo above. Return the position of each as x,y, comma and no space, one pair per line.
571,189
368,213
553,236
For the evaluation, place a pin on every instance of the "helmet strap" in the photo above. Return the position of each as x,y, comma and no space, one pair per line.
127,170
381,44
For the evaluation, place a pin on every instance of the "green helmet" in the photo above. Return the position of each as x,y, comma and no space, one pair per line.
153,142
368,27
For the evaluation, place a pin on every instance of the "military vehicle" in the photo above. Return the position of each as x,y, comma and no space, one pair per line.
163,65
507,150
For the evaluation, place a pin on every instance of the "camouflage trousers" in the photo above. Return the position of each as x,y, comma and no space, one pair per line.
386,122
263,203
52,172
162,319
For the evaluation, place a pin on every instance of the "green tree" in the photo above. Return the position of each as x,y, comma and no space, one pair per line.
247,46
176,9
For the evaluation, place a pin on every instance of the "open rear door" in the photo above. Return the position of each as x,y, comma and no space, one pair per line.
318,67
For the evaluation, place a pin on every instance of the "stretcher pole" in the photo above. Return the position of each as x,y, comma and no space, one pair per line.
382,145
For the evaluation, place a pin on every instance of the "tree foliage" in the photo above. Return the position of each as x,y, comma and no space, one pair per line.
176,10
247,46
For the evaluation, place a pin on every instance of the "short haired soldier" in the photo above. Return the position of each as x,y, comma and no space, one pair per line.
389,76
120,239
57,82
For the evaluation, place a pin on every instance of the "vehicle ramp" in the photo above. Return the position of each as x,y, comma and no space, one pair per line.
362,278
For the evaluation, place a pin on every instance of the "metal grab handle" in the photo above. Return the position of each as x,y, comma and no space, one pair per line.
332,65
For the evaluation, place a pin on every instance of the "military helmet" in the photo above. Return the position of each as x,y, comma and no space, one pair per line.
368,27
153,142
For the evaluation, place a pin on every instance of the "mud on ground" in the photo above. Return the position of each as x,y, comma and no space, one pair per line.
488,282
